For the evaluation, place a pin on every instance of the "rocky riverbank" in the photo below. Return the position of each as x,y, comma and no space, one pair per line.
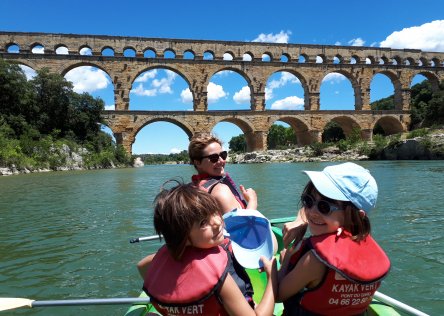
429,147
302,154
67,159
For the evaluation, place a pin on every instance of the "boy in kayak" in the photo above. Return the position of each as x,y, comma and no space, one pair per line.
190,273
336,270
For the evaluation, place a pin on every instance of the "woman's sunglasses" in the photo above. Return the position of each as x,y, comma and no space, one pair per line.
323,206
215,157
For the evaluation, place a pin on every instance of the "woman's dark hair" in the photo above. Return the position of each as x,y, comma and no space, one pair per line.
356,224
176,210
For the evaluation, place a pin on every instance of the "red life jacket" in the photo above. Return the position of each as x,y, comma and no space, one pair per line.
190,286
355,270
237,272
207,183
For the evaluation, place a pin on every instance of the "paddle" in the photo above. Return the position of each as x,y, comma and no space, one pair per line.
272,222
7,303
134,240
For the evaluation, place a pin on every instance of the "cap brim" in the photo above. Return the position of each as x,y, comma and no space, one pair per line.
325,185
251,237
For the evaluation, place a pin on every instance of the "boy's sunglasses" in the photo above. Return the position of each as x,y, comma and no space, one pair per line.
215,157
323,206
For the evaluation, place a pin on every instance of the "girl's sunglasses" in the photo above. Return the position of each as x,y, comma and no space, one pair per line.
323,206
215,157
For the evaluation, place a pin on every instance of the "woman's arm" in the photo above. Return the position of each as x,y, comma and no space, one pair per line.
225,197
235,303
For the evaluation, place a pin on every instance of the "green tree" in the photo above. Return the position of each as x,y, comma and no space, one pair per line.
238,144
387,103
53,94
419,100
435,109
290,137
38,118
332,132
84,115
14,89
276,136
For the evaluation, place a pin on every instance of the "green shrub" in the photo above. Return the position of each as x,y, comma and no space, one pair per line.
317,149
418,133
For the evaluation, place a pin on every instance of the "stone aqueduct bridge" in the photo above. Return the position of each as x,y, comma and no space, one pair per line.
309,63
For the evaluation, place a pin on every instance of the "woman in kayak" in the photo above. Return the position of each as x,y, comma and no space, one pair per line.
208,158
189,275
339,267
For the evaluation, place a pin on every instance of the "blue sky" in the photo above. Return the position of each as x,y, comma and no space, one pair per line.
389,23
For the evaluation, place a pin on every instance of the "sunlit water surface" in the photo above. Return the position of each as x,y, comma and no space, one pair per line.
65,235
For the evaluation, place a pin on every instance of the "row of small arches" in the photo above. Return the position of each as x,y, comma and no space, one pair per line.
266,57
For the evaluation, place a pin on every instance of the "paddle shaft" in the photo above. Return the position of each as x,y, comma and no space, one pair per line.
398,305
156,237
92,301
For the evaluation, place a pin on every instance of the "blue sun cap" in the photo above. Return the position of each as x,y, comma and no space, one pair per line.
346,182
251,236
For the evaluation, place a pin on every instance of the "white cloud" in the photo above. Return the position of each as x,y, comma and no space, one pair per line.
146,76
356,42
38,50
110,107
334,77
246,57
62,50
186,96
87,79
86,51
175,151
215,92
163,85
242,96
285,78
228,56
140,91
268,93
427,37
281,37
29,72
338,43
289,103
158,85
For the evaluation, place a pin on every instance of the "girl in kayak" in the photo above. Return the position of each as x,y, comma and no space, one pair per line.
189,275
339,267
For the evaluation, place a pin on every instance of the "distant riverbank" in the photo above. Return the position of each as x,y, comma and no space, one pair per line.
426,147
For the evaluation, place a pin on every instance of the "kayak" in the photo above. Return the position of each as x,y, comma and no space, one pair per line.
259,281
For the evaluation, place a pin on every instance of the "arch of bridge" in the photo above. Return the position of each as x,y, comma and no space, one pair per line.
198,72
308,125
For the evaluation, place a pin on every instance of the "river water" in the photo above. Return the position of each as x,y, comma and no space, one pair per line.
65,235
